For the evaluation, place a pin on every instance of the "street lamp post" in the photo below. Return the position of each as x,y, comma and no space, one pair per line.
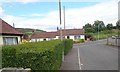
98,31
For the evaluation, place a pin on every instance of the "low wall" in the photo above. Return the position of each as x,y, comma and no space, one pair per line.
15,70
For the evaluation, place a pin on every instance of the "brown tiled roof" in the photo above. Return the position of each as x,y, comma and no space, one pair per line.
71,32
5,28
57,33
44,35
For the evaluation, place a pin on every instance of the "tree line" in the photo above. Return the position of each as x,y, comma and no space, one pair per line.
100,26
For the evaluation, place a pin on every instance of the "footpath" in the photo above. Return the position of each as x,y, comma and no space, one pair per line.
71,61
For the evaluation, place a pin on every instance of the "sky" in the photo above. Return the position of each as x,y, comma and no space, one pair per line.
44,14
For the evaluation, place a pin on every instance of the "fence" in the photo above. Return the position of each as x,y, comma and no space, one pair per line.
113,41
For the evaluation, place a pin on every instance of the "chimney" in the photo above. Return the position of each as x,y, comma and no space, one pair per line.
13,25
57,28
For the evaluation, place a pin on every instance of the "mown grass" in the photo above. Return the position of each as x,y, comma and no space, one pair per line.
104,34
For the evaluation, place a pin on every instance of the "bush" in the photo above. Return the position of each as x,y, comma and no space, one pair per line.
82,40
68,44
79,41
76,41
24,42
46,55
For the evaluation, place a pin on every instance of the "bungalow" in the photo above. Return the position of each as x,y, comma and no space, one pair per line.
75,34
8,34
42,36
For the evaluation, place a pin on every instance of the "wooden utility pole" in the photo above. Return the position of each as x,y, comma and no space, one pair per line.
60,19
64,20
61,28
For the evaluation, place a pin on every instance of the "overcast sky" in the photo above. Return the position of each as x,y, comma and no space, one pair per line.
43,14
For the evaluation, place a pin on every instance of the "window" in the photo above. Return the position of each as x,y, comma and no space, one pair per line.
44,39
76,37
68,37
50,38
35,40
10,40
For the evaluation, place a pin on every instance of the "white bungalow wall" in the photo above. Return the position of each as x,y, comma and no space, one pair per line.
82,36
1,40
41,39
72,37
57,37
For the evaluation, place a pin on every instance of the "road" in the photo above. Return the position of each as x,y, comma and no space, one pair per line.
91,56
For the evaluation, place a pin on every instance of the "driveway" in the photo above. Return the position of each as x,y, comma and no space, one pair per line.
91,56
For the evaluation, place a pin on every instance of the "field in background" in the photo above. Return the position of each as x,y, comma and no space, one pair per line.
104,34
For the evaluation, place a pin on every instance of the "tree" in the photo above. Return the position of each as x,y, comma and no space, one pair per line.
118,24
98,26
109,26
88,28
118,27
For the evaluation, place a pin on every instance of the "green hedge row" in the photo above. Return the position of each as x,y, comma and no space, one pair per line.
46,55
68,44
79,41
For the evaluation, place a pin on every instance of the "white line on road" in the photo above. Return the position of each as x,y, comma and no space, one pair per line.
79,60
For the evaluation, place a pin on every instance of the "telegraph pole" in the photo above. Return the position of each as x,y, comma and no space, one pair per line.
60,20
64,20
61,28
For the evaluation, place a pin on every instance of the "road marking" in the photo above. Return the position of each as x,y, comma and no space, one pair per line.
79,60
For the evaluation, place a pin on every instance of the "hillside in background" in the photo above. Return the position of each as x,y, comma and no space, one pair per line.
28,31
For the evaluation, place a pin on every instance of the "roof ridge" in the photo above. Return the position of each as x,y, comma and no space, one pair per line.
9,30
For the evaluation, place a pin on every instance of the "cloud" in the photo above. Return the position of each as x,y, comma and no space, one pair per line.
31,1
1,11
33,15
106,12
21,1
75,17
37,15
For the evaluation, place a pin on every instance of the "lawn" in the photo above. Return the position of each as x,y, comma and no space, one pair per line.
104,34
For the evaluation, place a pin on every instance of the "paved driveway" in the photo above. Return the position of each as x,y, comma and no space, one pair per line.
91,56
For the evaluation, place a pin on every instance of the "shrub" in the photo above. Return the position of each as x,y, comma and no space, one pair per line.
37,56
68,44
24,42
46,55
82,40
8,56
76,41
79,41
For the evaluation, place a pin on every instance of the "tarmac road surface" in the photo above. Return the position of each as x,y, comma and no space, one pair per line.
94,55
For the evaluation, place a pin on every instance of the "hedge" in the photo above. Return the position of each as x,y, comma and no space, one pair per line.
68,44
79,41
82,40
46,55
